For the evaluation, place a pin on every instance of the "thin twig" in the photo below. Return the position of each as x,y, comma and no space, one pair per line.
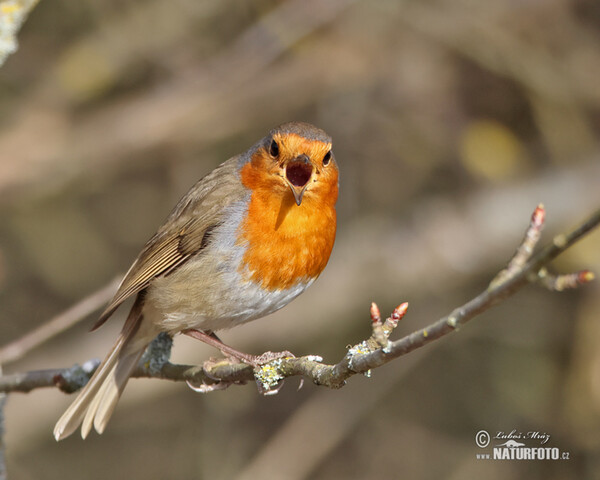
562,282
17,349
526,248
493,295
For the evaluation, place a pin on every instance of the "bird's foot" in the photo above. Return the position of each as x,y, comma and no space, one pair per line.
255,361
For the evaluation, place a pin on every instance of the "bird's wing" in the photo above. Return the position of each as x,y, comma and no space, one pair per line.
184,233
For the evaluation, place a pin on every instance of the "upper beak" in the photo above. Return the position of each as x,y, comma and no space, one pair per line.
298,173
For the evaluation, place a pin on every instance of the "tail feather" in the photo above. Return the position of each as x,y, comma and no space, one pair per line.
73,416
111,390
96,402
92,408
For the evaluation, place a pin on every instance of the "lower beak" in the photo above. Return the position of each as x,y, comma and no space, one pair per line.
298,192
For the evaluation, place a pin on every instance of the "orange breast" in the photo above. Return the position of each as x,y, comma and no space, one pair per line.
286,243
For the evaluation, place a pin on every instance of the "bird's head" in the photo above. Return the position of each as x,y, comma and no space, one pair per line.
295,161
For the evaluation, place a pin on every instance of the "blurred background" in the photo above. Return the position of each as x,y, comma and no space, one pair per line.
451,121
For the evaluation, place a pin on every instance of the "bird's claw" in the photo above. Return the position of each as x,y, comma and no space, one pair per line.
207,388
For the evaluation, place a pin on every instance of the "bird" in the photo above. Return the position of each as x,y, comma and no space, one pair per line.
246,239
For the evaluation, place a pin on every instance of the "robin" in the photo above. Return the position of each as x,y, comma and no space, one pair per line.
246,240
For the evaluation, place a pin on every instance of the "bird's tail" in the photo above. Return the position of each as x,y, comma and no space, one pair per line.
96,402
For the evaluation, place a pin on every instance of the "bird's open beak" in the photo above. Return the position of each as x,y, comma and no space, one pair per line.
298,173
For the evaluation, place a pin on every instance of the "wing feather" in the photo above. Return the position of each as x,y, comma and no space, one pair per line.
183,234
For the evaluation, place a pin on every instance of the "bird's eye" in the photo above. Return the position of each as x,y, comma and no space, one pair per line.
274,149
326,158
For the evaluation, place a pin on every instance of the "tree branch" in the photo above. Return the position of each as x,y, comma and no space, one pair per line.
524,268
